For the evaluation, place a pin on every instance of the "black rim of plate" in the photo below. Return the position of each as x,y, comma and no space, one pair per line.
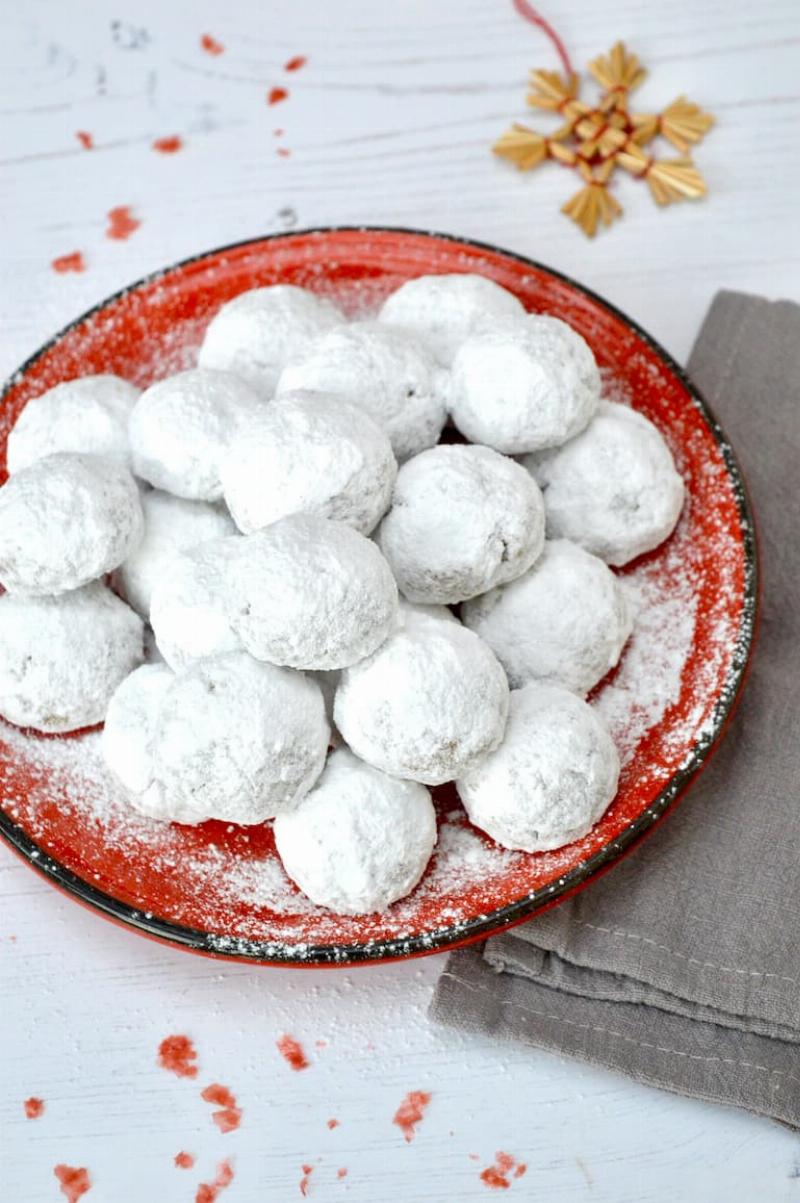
438,939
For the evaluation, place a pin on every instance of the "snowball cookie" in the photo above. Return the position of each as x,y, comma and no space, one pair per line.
385,372
180,430
550,779
66,520
229,739
61,658
463,519
311,454
614,489
188,606
257,332
426,705
89,414
442,311
532,383
308,592
171,525
385,832
565,621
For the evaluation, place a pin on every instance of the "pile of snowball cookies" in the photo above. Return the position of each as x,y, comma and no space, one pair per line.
255,560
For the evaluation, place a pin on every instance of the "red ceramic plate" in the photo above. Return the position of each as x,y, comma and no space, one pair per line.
220,889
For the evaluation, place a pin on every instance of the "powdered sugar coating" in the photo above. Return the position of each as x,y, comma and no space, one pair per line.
427,705
257,332
463,519
311,593
188,607
228,739
386,372
524,385
89,414
308,453
550,779
66,520
565,621
614,489
442,311
180,430
61,658
385,834
171,525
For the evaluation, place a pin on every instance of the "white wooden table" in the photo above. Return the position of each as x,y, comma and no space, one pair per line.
390,122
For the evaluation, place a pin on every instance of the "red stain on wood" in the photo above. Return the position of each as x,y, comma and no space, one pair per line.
410,1112
333,1123
184,1161
499,1175
86,140
169,145
34,1107
229,1116
74,1181
73,262
209,1192
292,1052
211,45
342,1173
308,1170
121,223
276,95
296,63
178,1055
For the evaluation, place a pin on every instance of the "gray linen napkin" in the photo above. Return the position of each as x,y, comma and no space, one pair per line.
681,967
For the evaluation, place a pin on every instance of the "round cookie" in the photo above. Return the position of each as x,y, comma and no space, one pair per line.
463,519
188,606
229,739
309,454
88,415
171,525
61,658
181,427
614,489
310,593
524,385
385,834
550,779
257,332
564,621
427,705
385,372
66,520
442,311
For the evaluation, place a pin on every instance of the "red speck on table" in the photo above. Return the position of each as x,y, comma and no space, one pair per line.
178,1055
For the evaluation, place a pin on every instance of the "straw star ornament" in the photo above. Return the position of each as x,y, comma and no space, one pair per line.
597,138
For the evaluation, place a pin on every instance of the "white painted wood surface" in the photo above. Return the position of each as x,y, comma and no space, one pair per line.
390,122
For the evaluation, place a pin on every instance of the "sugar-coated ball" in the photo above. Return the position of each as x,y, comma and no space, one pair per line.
188,606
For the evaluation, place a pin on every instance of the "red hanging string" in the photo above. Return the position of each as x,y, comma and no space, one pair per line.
530,14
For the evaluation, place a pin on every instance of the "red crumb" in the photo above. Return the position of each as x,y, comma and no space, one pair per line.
292,1051
410,1112
474,1156
74,262
333,1123
184,1161
279,134
86,140
276,95
230,1116
178,1054
75,1181
283,152
211,45
498,1176
342,1173
308,1170
13,939
121,223
34,1108
168,146
294,64
209,1192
